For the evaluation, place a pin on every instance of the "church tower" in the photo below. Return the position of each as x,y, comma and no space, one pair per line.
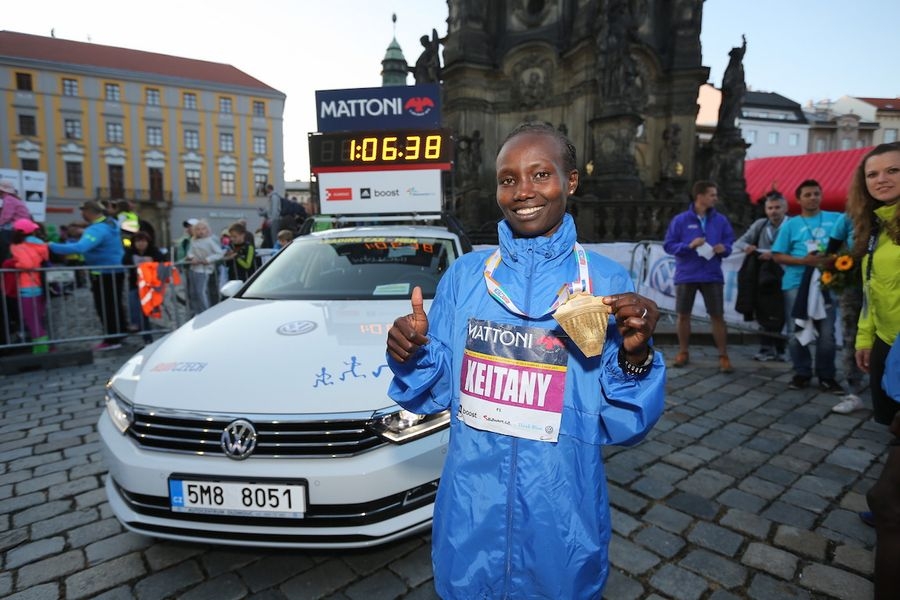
393,66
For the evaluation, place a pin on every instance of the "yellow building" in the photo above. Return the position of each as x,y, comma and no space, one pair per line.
178,138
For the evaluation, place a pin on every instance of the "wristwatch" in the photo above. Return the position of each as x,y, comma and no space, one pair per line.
636,370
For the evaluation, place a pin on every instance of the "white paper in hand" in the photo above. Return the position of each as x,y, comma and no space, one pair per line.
706,251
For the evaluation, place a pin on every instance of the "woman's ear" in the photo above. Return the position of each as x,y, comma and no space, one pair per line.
573,182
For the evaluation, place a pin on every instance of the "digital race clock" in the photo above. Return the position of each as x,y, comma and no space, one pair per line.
386,150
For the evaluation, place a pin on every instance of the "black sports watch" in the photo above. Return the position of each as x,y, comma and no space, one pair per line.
636,370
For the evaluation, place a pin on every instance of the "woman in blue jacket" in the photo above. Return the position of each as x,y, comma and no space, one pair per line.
522,509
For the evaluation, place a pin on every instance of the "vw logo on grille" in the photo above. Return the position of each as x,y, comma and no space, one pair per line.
296,328
239,439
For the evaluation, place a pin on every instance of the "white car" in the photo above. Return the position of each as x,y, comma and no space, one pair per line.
265,421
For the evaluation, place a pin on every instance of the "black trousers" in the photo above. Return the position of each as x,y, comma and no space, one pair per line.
883,406
109,302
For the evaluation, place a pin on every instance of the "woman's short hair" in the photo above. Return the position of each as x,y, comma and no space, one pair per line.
567,149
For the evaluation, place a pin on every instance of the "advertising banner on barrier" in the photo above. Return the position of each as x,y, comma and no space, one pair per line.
34,193
659,283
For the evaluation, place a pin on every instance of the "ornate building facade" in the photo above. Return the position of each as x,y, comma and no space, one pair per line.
620,77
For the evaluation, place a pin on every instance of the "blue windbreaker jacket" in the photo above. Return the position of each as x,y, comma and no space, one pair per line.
517,518
101,245
690,267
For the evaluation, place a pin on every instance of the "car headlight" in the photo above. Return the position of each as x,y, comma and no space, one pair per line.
402,426
118,409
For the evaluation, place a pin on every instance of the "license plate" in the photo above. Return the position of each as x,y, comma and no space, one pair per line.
236,498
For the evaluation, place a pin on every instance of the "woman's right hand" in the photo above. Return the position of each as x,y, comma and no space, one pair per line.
407,334
862,359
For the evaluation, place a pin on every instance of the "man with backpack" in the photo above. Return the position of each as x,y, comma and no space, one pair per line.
282,214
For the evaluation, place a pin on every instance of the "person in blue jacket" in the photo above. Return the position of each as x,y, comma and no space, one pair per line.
522,510
700,238
101,246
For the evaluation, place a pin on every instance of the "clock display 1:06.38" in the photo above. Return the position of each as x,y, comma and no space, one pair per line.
391,148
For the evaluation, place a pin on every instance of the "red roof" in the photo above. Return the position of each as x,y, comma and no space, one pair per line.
833,170
57,50
883,103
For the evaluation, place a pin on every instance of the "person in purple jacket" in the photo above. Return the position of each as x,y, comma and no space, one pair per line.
699,238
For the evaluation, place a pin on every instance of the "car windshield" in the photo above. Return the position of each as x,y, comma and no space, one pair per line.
354,268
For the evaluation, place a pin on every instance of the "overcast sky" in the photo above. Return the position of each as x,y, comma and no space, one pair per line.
802,49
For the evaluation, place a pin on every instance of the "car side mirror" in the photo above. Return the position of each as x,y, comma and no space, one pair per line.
230,288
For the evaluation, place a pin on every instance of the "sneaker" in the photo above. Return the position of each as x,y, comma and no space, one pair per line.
103,346
763,356
681,359
867,517
850,403
725,365
798,382
782,357
832,386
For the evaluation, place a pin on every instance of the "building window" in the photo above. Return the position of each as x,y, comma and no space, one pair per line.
74,178
225,105
27,125
226,142
750,136
152,97
192,180
820,145
794,139
259,108
773,138
70,87
259,184
73,129
114,133
846,144
113,94
190,100
191,139
226,184
23,82
30,164
259,144
890,136
154,136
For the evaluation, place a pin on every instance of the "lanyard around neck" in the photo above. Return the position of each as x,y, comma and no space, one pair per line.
499,294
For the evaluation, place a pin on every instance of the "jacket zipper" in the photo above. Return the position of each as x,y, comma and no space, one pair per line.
510,497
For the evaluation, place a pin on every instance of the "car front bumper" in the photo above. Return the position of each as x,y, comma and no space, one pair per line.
358,501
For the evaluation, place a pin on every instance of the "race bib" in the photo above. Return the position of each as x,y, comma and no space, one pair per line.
513,380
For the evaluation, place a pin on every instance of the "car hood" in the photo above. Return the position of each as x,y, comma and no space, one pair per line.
269,357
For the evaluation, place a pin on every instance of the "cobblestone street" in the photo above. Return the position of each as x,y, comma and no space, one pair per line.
744,489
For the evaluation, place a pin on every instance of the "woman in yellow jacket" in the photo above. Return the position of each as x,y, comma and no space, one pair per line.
872,205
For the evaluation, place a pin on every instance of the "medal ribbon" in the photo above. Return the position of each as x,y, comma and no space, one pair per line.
499,294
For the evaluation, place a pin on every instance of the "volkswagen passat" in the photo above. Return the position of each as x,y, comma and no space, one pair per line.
265,420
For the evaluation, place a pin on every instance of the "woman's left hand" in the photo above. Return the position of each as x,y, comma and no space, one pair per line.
636,318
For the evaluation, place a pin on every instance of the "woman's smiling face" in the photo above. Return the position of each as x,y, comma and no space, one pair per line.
882,173
532,183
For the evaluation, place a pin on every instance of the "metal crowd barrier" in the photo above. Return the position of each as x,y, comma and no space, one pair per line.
72,318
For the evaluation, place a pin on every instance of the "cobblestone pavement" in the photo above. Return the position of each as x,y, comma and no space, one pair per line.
744,489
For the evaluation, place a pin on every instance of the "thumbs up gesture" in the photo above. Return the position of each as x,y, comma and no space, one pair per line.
407,334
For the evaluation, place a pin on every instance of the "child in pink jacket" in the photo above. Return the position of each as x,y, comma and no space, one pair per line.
30,252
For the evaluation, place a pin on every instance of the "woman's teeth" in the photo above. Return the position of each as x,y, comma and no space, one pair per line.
528,211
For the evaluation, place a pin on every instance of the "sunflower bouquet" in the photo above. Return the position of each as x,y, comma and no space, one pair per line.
842,274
